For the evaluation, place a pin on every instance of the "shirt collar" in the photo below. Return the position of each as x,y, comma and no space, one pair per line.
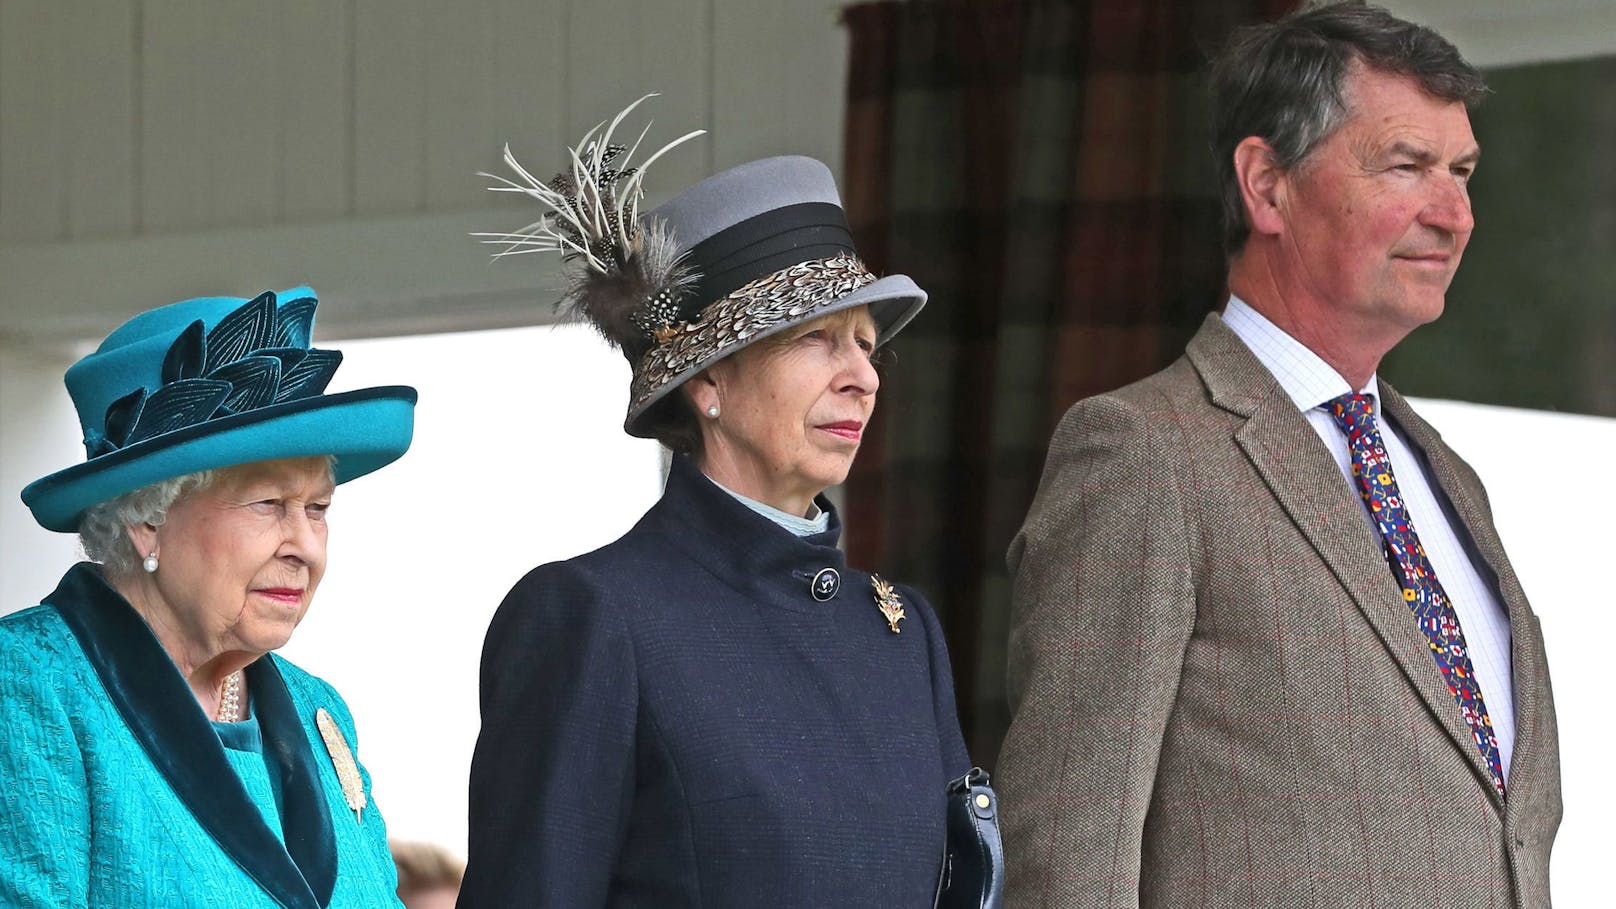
816,521
1308,381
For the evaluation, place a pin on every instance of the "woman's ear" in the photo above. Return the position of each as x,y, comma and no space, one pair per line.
144,537
703,389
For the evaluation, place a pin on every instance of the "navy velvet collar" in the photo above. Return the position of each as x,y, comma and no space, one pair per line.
159,708
749,551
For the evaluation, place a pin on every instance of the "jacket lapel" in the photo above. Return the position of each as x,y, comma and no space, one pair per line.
305,811
1304,479
159,709
1468,504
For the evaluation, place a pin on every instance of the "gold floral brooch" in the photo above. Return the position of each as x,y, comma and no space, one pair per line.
886,599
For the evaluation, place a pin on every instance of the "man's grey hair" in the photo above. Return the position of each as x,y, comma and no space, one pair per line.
103,531
1282,81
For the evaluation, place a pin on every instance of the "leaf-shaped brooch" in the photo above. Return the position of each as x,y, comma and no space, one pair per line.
353,787
886,599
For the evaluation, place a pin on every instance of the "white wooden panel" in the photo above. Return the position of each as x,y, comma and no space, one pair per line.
675,56
602,63
99,117
32,123
676,47
780,67
242,108
528,97
622,49
389,106
176,181
527,110
812,60
748,84
1511,32
527,100
315,144
459,84
380,276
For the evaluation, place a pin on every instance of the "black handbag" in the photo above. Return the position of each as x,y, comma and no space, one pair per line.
972,876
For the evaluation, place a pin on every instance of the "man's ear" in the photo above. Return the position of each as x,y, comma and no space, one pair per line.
1262,185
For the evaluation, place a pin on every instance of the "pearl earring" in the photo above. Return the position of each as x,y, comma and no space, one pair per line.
712,411
150,563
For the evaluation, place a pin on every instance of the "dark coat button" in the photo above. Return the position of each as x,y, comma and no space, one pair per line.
825,584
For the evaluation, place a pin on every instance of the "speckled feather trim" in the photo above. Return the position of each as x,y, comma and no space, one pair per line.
787,296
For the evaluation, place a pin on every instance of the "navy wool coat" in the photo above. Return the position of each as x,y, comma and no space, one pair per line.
674,720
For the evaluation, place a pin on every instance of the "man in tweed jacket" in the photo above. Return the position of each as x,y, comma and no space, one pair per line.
1220,695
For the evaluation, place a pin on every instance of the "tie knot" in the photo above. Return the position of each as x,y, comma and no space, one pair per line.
1352,412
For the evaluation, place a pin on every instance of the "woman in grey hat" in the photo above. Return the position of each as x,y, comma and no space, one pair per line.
716,709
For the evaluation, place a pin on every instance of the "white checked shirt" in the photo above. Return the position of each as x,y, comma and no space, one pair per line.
1310,382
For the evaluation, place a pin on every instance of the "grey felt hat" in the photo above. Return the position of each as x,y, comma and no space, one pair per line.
768,244
740,256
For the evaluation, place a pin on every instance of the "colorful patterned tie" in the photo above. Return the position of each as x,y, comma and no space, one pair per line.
1426,599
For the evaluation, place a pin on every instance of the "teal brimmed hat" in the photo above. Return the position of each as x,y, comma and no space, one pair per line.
215,382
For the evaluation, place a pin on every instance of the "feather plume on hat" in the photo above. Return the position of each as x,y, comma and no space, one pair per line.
625,278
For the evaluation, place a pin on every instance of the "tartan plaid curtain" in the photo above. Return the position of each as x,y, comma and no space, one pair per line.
1042,170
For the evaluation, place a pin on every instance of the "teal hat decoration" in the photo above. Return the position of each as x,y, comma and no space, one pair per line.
215,382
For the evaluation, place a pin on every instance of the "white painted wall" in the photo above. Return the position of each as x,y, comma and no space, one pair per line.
1548,476
519,459
39,434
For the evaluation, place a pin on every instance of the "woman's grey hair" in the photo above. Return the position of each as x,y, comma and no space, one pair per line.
1282,82
103,531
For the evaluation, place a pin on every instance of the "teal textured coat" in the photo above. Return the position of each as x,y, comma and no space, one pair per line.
116,791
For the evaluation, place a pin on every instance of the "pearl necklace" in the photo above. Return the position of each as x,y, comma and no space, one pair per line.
230,699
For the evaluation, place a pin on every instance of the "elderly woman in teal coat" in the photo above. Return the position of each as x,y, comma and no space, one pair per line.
155,753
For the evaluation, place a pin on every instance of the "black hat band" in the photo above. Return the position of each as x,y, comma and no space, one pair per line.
762,245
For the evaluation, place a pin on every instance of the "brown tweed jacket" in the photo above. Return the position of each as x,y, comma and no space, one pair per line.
1219,696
